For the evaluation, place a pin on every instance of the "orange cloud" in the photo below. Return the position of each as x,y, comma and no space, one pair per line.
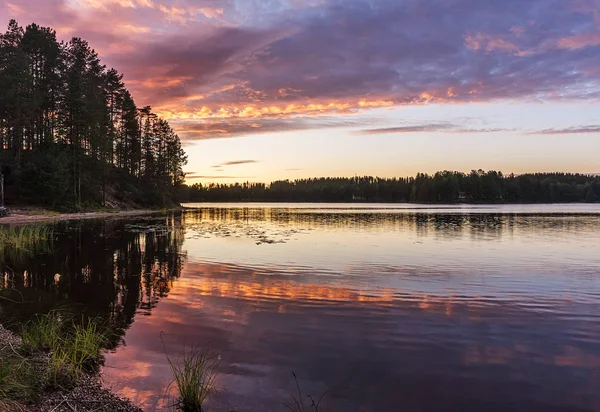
107,4
228,111
161,81
133,29
211,13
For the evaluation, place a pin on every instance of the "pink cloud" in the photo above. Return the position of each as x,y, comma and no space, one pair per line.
488,43
579,41
215,61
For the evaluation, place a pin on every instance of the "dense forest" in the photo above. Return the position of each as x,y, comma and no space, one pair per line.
443,187
71,135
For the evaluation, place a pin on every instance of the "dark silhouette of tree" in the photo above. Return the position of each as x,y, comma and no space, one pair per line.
444,187
69,128
113,275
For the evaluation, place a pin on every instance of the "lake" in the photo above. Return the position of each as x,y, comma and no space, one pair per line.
378,307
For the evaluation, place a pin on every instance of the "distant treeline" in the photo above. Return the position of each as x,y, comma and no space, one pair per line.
443,187
70,132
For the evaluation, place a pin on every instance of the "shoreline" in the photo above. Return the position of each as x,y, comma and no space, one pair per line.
88,393
18,216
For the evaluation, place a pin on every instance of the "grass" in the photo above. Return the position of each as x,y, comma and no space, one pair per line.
25,237
74,349
44,332
17,242
296,403
18,380
85,346
194,376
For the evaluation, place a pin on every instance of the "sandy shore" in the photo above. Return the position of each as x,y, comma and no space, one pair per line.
22,216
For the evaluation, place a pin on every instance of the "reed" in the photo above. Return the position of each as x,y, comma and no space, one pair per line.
25,237
19,242
296,403
194,376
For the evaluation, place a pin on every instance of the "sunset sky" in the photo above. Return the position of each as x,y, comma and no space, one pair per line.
269,89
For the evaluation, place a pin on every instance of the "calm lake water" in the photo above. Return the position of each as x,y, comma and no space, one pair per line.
380,307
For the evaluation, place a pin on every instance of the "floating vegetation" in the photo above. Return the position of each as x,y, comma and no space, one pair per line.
260,233
146,228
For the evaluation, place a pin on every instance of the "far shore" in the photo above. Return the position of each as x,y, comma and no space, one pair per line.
18,216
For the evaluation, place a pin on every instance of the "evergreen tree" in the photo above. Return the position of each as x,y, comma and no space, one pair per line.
69,127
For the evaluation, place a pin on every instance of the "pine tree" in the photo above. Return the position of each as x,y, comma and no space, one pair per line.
67,124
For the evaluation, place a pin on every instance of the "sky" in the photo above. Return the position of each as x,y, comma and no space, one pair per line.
261,90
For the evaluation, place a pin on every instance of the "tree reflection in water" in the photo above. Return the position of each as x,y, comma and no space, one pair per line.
109,269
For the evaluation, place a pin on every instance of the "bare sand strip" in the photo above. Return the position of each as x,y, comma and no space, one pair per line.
18,217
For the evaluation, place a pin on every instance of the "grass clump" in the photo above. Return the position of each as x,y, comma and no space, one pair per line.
19,242
78,352
44,333
74,349
25,237
194,376
85,345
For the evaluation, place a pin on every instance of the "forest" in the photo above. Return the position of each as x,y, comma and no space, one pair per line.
71,135
478,186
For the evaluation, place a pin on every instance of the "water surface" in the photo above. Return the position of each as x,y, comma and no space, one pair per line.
380,307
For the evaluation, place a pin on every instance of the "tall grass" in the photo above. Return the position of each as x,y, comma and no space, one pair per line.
44,332
85,345
25,237
18,242
296,403
74,349
194,376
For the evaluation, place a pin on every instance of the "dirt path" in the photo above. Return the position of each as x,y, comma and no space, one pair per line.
17,216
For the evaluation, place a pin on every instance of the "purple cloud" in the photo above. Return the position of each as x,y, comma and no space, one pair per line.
571,130
235,163
224,67
431,127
